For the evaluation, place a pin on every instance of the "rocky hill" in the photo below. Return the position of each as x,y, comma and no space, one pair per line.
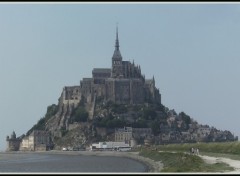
167,126
119,97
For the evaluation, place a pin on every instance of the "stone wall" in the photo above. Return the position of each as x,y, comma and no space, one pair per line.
13,144
40,147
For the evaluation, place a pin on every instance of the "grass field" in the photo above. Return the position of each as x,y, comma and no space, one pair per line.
232,148
182,162
175,157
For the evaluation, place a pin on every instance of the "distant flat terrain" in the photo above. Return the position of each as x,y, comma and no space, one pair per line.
57,162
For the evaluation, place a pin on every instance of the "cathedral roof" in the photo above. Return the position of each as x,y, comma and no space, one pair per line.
87,79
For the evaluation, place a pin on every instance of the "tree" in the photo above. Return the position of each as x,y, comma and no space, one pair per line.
80,115
115,123
119,108
40,125
140,124
186,119
155,126
149,114
51,110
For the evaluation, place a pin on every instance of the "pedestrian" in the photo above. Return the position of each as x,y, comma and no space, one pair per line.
192,150
197,151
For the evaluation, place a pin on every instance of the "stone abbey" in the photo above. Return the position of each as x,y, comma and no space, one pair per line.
122,84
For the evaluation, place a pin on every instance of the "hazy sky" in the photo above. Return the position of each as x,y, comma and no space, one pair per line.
193,51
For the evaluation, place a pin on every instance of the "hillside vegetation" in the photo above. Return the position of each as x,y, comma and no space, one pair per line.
166,125
183,162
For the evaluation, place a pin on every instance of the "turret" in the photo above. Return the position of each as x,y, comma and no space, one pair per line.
13,136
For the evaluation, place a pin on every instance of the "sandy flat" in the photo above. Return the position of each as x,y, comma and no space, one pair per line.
152,165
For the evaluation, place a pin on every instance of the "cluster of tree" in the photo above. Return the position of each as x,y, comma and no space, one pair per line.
119,108
186,120
40,125
149,113
110,122
140,123
115,108
146,116
79,114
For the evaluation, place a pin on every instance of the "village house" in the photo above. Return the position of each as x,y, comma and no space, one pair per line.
38,140
131,135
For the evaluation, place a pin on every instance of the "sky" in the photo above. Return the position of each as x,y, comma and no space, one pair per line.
191,49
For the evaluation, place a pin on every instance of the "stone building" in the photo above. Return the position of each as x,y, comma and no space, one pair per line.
13,142
123,134
38,140
123,83
132,135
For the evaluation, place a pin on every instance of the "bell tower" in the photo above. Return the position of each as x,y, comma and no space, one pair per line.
117,70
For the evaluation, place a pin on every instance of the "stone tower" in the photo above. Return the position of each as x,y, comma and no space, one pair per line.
13,143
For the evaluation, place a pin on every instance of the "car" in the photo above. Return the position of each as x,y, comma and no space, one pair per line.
79,148
70,148
75,148
64,149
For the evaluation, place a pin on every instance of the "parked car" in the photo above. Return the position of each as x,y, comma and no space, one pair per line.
79,148
70,148
64,149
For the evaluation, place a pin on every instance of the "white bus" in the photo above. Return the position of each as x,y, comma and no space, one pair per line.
123,149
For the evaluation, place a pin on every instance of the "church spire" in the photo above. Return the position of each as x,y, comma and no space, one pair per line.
117,54
117,42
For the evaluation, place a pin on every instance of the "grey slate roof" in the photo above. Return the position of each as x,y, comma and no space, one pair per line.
101,70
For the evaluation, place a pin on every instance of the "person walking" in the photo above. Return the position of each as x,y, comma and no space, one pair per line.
197,151
192,150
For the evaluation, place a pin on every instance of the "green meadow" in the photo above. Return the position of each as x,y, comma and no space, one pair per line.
212,147
176,158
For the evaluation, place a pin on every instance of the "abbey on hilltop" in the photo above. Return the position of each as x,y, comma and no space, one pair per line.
123,84
116,104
